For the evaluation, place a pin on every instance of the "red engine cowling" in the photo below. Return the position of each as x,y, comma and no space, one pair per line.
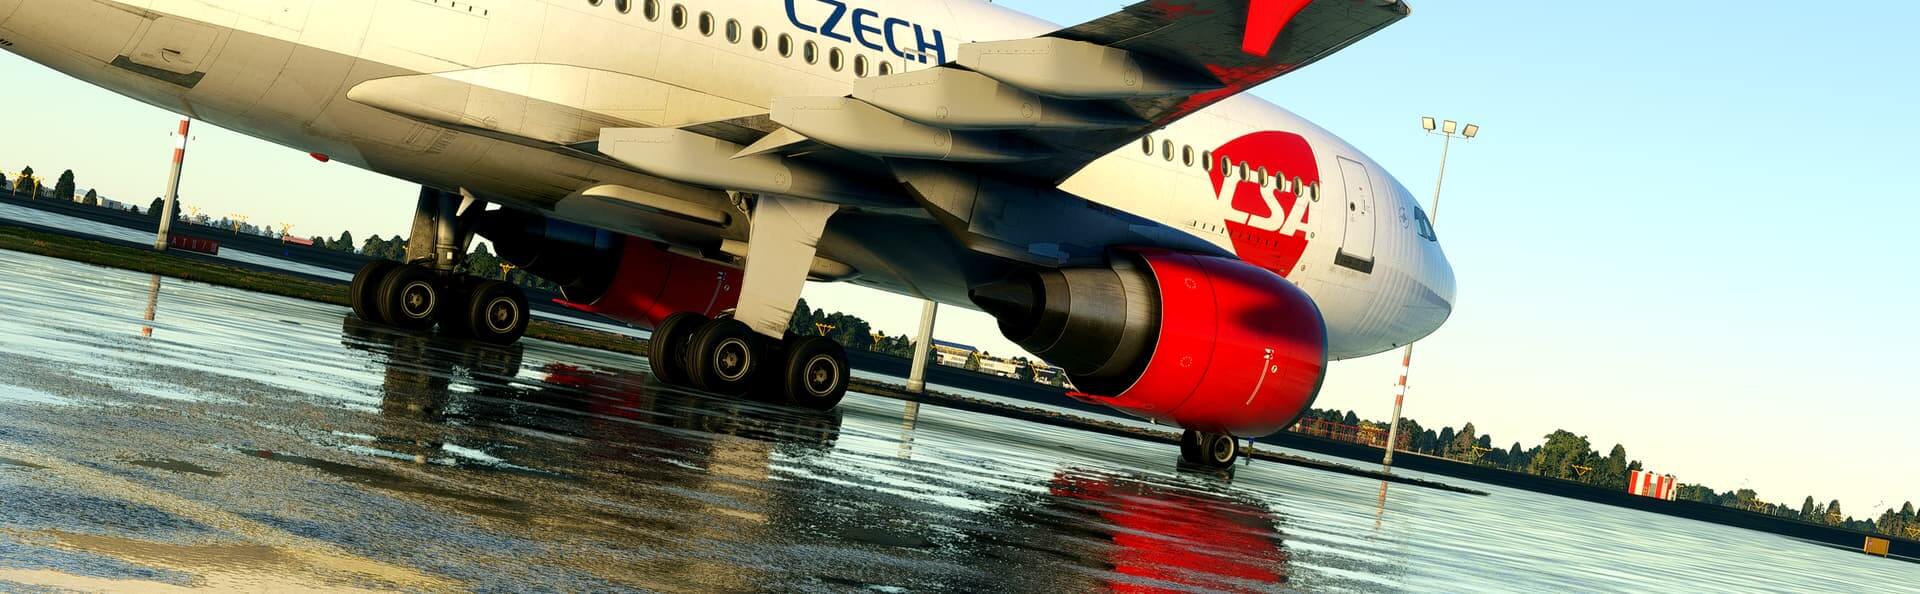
1206,343
650,283
626,278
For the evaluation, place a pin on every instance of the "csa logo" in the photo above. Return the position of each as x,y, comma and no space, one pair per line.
1269,225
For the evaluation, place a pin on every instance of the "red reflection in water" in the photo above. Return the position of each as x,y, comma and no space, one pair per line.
1182,538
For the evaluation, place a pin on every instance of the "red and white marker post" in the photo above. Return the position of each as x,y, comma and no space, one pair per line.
173,184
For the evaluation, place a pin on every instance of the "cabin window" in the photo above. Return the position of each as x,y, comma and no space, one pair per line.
860,66
810,52
1146,145
1246,172
1186,155
836,59
679,16
706,24
589,3
1206,161
624,6
786,45
651,10
1166,150
733,31
886,68
760,38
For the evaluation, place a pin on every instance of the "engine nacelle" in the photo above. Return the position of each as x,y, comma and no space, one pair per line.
622,277
1206,343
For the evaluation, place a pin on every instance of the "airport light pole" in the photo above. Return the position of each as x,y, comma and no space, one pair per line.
173,185
1448,129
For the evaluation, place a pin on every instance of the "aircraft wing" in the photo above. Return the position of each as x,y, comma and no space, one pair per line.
982,143
1043,108
1232,45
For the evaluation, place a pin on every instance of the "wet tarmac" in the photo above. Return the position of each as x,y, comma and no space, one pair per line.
158,435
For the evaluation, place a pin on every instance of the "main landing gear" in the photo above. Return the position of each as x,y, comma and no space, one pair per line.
1209,450
428,290
726,357
750,351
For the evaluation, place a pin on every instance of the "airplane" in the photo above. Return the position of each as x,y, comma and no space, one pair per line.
1107,191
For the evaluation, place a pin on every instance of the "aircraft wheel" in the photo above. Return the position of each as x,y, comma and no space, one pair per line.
667,350
722,357
364,293
815,373
1190,442
1219,450
497,313
411,298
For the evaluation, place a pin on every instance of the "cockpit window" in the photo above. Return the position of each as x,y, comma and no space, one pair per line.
1426,225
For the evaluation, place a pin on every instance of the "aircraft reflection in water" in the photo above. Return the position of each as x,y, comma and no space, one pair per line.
688,470
685,469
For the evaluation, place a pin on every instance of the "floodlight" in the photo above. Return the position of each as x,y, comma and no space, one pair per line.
1471,131
1429,124
1450,127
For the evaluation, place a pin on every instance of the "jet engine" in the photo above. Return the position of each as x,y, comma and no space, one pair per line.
1207,343
626,278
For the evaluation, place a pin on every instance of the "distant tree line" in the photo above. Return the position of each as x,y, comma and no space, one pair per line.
1569,456
855,333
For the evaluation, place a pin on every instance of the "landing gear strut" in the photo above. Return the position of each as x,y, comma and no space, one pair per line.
1210,450
429,291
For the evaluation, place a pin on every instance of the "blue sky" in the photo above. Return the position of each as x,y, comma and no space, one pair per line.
1684,229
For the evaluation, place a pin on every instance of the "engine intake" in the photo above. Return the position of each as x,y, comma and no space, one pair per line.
581,259
602,272
1212,344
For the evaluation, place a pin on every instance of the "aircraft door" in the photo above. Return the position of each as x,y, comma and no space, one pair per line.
1356,249
175,45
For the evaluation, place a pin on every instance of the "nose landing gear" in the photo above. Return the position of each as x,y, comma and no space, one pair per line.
1209,450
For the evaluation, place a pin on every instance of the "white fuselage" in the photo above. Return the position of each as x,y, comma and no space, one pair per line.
281,70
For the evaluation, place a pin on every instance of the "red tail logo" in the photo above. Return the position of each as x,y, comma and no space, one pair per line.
1265,20
1271,232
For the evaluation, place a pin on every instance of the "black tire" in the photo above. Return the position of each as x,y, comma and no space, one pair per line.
1220,451
815,373
497,313
667,350
1190,442
723,356
411,298
364,294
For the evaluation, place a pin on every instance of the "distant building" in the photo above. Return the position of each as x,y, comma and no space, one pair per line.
999,367
952,354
